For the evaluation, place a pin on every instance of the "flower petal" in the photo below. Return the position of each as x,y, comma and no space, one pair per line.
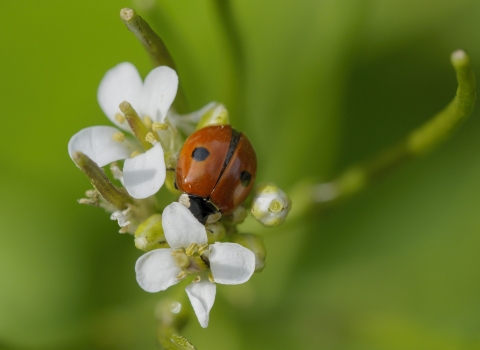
202,296
121,216
231,263
97,142
121,83
156,270
145,174
158,93
181,228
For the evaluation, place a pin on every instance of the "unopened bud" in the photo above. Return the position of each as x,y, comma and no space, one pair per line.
238,215
215,114
215,232
256,245
149,234
170,182
270,205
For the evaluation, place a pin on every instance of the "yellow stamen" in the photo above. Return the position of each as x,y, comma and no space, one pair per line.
134,154
159,126
210,278
191,249
182,275
120,118
118,136
150,137
196,279
202,248
177,251
148,122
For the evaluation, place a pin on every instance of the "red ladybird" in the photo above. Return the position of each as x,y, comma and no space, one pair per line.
216,168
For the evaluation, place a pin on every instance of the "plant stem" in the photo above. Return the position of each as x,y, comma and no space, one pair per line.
419,142
230,28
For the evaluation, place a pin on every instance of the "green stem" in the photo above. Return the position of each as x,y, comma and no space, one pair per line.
230,28
172,316
155,47
421,141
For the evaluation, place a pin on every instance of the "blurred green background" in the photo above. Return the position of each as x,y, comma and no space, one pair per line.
325,83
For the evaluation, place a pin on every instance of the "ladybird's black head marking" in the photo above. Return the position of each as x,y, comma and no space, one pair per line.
201,208
245,178
200,154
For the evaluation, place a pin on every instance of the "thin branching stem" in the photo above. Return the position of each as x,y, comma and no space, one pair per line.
235,45
420,141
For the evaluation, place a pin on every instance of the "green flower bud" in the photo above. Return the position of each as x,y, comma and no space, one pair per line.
149,234
237,217
216,115
256,245
270,204
215,232
170,182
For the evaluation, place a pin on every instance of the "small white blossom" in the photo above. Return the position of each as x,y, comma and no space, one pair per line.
270,205
229,263
145,173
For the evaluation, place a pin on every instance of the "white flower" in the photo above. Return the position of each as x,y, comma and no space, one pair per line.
145,173
229,263
270,205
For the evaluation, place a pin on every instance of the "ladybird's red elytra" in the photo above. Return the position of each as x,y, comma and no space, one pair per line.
216,168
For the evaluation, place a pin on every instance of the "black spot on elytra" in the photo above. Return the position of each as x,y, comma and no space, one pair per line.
245,178
200,154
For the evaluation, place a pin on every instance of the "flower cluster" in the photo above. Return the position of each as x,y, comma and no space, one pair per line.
190,253
143,174
147,137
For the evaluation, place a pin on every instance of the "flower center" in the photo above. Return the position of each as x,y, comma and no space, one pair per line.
190,259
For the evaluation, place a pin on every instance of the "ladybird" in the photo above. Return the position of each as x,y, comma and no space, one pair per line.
216,170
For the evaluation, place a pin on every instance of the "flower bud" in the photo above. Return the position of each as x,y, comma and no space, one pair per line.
149,234
237,217
217,114
170,182
256,245
215,232
270,205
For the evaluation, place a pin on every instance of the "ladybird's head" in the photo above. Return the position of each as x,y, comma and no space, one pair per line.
203,210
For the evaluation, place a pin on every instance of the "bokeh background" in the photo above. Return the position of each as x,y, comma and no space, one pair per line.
324,83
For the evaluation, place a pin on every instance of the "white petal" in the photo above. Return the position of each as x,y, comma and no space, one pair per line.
156,270
158,93
145,174
202,296
231,263
188,122
121,217
121,83
181,228
97,142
